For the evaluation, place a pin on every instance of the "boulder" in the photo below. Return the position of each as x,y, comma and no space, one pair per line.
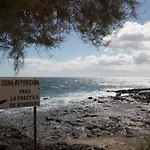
90,97
95,100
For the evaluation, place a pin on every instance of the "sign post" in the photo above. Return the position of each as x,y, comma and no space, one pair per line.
35,130
21,92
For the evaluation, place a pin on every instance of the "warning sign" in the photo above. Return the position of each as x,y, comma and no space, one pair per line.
19,92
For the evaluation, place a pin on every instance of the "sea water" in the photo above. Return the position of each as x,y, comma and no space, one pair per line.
64,91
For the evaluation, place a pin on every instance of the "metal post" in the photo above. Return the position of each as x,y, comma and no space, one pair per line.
35,130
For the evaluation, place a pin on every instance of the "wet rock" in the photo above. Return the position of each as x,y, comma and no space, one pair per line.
71,123
95,100
79,121
103,127
118,94
134,119
49,119
23,127
75,135
90,97
138,106
129,91
90,115
147,122
58,120
144,93
52,119
119,98
136,97
113,118
101,101
129,99
91,119
142,109
14,129
91,127
45,98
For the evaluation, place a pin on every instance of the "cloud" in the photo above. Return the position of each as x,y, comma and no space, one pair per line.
142,57
133,36
91,66
131,57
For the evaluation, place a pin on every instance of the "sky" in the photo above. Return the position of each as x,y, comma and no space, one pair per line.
128,55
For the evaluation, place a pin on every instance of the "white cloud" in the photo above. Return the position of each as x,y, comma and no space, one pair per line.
133,36
131,45
142,57
105,65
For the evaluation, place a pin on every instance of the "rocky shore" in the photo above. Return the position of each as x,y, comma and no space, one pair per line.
125,115
12,139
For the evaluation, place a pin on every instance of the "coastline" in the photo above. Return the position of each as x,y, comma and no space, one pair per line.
93,118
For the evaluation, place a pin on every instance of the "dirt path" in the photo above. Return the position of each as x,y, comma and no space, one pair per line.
108,143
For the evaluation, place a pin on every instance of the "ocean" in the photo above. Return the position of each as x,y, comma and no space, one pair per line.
56,92
64,91
65,100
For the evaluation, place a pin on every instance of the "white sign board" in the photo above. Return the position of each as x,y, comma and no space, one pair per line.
19,92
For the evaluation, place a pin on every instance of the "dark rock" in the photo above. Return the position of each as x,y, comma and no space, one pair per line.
92,127
138,106
108,91
14,129
143,109
3,146
101,101
97,148
118,94
23,127
119,98
103,127
147,122
49,119
144,93
79,121
130,100
45,98
71,123
90,97
136,97
113,118
134,120
13,139
90,115
58,120
52,119
75,135
89,135
98,135
95,100
134,91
